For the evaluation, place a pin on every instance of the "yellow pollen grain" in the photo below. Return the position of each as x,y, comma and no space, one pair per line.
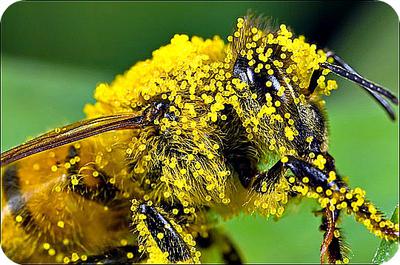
160,236
75,257
74,181
60,224
36,166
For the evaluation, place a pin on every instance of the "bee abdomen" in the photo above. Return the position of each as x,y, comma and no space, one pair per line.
50,218
15,201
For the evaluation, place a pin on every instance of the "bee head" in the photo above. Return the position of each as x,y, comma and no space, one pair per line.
275,70
274,63
283,69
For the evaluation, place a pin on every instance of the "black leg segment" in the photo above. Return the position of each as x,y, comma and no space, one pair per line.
317,177
104,193
117,255
167,238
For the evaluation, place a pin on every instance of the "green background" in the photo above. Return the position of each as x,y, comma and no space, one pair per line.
54,54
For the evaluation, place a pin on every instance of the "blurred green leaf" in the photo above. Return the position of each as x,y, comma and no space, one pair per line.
387,249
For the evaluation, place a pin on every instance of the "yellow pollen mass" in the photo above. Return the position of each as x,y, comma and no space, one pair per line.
60,224
195,77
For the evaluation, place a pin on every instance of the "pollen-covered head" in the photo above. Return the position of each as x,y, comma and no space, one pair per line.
271,61
282,82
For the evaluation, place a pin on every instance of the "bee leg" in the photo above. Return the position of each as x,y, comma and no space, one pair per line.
160,237
117,255
218,239
332,244
334,195
104,193
332,247
270,178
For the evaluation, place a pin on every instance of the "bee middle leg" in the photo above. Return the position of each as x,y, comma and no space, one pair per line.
160,236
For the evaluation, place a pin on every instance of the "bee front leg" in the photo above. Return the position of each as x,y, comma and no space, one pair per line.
161,237
334,196
332,247
269,178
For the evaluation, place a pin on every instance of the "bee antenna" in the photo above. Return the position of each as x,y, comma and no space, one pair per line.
363,82
376,91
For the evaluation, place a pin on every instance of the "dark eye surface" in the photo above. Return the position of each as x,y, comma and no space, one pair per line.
259,83
313,82
244,72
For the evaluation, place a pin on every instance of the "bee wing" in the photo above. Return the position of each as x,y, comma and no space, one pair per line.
74,132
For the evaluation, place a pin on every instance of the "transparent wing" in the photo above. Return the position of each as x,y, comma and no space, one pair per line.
74,132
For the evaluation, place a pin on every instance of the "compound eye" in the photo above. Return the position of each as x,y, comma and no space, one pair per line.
243,71
260,83
313,82
272,83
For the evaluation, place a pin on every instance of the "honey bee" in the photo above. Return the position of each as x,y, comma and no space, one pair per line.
203,128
